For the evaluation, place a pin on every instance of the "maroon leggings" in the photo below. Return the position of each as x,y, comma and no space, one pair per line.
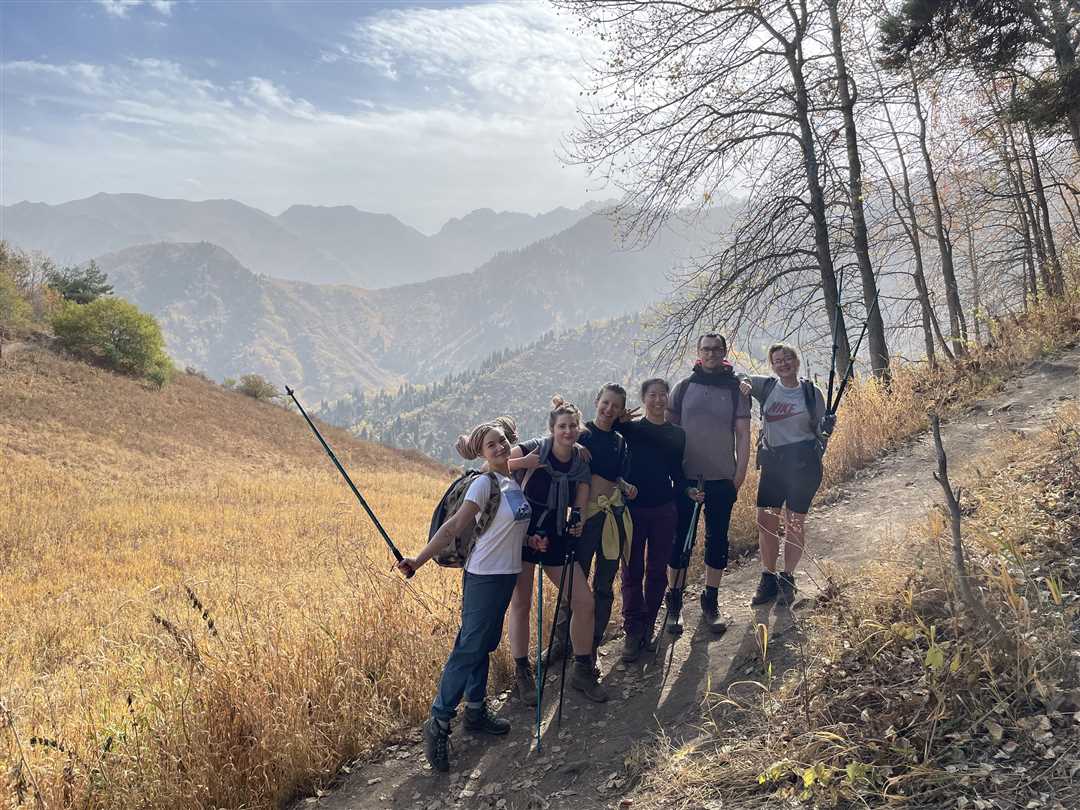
644,577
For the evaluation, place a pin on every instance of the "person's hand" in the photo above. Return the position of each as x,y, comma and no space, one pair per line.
739,479
529,462
408,566
828,424
745,388
575,524
537,542
583,451
630,492
630,414
695,494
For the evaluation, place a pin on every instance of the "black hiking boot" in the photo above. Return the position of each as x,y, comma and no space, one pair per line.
481,721
710,613
583,678
525,685
437,744
766,589
787,589
632,646
673,625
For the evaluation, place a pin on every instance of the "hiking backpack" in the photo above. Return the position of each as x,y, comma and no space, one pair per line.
456,553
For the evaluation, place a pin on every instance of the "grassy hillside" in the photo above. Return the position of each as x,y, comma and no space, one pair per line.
116,499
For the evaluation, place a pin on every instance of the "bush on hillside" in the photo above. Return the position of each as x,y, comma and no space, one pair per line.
118,333
15,311
256,387
82,285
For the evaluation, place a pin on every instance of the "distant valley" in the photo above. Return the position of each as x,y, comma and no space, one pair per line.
518,382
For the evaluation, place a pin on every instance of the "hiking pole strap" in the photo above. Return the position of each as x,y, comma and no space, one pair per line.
393,549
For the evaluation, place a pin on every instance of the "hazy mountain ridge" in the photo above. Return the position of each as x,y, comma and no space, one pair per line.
317,244
518,382
327,339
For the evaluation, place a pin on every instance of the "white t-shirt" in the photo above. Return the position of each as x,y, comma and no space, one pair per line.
498,550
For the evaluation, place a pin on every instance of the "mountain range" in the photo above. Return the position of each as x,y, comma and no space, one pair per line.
325,340
318,244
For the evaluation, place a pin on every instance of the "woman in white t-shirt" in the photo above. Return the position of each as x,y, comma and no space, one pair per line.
491,573
791,440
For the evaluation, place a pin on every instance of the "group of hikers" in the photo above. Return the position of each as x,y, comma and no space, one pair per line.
622,490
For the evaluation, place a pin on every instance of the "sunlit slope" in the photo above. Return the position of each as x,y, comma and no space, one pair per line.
116,498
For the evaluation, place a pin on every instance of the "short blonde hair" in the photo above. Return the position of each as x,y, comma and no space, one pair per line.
787,347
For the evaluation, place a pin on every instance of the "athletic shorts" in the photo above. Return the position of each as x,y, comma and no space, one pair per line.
791,477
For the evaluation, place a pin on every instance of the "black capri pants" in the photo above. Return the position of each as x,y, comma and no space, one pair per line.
790,475
719,500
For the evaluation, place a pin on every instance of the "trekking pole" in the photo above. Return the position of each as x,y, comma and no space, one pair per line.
554,627
849,373
539,651
687,551
569,567
835,337
349,481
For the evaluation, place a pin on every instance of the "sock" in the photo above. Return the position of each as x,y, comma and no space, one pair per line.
711,592
471,705
443,724
523,662
584,660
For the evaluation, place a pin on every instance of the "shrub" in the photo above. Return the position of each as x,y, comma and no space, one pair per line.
116,332
15,311
257,387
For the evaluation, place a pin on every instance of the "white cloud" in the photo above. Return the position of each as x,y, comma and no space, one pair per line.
516,54
120,8
502,82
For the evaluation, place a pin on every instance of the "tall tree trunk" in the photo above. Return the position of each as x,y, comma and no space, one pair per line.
822,245
976,293
1065,60
948,272
1057,275
879,349
1032,221
937,331
1031,284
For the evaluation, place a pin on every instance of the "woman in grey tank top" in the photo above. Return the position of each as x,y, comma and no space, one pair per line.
789,455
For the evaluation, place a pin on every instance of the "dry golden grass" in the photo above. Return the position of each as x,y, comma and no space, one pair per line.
130,519
115,498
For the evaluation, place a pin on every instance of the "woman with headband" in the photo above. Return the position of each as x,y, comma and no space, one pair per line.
490,575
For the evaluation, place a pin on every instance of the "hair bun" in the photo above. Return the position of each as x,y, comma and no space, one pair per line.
557,402
462,447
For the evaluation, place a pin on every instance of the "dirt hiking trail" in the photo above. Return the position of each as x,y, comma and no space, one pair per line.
583,765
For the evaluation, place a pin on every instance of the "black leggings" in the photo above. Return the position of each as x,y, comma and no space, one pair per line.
719,500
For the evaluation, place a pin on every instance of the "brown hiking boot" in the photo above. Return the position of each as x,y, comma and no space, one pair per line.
632,646
585,681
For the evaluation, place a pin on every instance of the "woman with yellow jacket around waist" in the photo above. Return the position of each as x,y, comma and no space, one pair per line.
608,527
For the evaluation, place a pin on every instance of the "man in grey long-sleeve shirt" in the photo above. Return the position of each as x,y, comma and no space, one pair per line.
715,414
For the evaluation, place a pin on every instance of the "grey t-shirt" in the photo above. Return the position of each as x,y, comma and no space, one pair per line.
785,419
704,412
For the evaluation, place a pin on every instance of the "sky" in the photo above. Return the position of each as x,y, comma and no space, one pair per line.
424,111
